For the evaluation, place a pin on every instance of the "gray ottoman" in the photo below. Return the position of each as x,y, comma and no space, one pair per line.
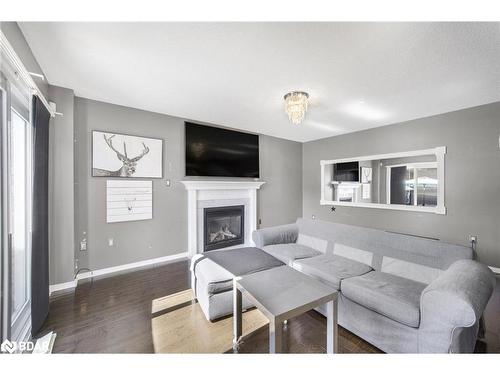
212,276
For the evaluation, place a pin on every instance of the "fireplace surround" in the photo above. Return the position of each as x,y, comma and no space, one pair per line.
215,194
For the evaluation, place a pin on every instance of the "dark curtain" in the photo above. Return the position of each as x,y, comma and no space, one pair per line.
40,235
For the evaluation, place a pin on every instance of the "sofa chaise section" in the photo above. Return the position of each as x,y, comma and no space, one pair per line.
213,273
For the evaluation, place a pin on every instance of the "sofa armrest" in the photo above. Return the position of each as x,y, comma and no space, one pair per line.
451,303
275,235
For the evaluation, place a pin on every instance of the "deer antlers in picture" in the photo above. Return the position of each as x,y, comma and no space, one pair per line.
129,164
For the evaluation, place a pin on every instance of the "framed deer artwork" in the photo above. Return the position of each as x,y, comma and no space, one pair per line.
128,156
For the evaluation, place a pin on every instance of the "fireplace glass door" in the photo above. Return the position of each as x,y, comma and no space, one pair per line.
223,227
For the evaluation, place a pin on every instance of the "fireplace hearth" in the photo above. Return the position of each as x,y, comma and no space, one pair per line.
223,227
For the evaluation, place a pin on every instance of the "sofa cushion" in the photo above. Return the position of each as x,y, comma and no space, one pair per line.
353,253
380,243
410,270
312,242
331,269
287,253
390,295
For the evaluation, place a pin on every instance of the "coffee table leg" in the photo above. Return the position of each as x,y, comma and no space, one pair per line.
332,338
275,336
237,324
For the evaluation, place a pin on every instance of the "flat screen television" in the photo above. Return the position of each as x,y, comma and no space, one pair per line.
218,152
346,172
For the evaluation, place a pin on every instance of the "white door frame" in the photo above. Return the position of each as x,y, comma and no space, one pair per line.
4,233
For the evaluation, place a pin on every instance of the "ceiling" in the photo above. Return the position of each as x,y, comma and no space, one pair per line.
358,75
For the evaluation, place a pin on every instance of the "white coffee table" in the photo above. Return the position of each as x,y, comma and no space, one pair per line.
282,293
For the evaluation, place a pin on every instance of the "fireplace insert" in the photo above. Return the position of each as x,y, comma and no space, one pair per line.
223,227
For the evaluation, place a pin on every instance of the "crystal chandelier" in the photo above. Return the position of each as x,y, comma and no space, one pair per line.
296,106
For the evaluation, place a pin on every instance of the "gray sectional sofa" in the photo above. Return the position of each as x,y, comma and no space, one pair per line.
401,293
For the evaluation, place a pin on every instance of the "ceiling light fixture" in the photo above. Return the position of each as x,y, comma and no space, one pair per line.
296,106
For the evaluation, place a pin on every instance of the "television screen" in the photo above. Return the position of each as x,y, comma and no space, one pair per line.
217,152
346,172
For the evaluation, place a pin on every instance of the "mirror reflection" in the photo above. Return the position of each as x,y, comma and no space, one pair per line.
410,181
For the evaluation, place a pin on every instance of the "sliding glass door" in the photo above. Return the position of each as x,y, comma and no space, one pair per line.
19,188
17,145
4,237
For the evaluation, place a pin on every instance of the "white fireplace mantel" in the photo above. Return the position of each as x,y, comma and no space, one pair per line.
216,193
221,185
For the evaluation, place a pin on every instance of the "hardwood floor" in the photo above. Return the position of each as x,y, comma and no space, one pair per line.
113,315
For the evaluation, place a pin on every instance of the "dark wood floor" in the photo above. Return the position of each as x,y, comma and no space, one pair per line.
113,315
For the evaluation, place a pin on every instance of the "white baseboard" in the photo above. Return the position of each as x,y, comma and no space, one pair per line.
495,270
129,266
62,286
110,270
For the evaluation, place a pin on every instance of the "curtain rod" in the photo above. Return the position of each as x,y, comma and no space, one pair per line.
8,51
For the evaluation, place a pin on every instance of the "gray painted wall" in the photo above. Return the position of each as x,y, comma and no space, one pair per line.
61,192
472,176
166,234
280,198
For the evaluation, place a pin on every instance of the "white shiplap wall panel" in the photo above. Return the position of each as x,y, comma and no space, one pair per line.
128,200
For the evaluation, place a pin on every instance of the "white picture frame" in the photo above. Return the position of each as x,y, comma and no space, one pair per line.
129,200
366,175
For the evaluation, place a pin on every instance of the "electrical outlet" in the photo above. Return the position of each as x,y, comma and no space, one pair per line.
111,242
472,238
83,245
167,183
